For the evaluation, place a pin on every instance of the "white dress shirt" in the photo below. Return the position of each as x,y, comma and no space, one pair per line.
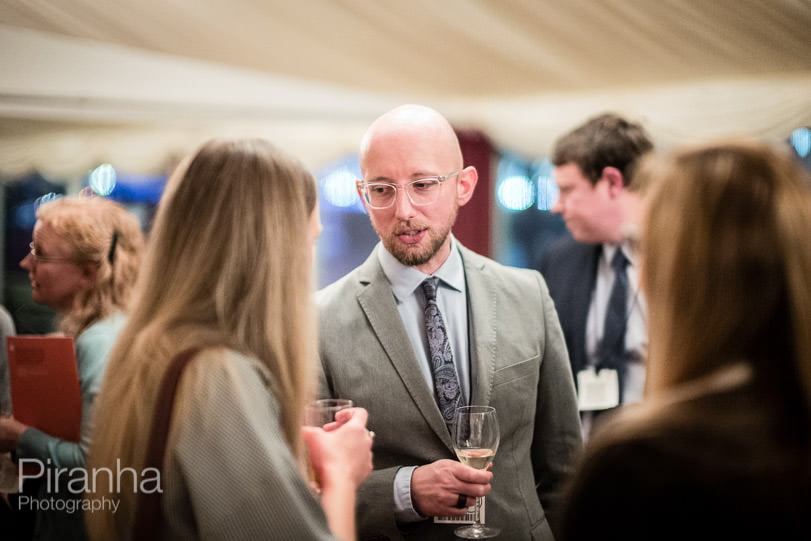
636,337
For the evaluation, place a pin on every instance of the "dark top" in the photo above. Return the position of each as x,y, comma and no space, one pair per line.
720,466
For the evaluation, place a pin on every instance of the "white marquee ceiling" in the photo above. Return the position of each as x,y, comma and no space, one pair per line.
136,82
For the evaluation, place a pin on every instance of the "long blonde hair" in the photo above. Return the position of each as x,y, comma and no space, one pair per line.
103,233
727,267
227,265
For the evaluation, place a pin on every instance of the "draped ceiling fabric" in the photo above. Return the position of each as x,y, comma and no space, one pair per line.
140,82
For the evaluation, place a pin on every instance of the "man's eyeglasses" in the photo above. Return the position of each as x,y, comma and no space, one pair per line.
421,192
45,259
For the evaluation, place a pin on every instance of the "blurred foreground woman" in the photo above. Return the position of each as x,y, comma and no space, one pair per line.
228,271
721,446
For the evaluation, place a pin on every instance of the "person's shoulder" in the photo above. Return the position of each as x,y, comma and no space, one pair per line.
351,283
340,289
102,334
475,260
108,325
223,361
217,371
565,256
6,322
666,433
227,391
565,247
640,453
503,274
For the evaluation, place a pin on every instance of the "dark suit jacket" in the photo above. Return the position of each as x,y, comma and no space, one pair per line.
518,365
570,270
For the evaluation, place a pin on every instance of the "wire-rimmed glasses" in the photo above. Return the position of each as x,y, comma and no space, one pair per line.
421,192
45,259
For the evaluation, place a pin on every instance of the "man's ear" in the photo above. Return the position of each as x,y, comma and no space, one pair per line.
466,184
615,180
359,189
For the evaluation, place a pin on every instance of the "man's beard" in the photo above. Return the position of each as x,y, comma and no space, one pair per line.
414,255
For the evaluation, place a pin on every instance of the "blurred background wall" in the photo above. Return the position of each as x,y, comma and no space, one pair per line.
107,96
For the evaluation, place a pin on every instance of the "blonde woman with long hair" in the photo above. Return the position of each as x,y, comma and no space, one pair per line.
721,446
228,272
84,260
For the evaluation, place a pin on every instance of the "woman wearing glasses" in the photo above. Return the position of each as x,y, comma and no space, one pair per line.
83,263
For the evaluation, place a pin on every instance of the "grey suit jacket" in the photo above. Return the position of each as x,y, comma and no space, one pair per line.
519,365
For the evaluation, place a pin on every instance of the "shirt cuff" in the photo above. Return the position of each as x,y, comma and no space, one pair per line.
403,508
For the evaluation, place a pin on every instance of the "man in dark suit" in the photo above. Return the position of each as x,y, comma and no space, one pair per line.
502,347
593,275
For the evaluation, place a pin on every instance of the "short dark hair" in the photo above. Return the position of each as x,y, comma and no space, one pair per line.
606,140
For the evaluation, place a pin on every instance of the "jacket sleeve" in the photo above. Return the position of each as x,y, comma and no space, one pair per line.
557,439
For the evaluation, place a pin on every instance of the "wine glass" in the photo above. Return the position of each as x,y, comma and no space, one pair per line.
475,440
320,413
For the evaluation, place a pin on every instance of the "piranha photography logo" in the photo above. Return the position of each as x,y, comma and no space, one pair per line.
64,489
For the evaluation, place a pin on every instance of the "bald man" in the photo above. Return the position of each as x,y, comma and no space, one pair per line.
425,326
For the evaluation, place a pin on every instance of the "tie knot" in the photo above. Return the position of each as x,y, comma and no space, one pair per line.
619,261
429,288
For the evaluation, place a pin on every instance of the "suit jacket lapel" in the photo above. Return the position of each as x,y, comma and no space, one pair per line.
379,305
482,325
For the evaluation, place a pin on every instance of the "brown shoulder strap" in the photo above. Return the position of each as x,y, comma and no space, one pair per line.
148,516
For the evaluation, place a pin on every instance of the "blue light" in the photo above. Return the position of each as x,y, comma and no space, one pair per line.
547,189
50,196
102,179
25,215
339,188
516,193
801,141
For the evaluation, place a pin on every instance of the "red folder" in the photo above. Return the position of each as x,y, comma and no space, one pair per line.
44,379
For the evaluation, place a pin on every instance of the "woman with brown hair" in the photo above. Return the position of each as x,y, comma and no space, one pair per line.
721,446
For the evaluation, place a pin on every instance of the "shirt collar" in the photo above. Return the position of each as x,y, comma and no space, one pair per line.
627,249
404,279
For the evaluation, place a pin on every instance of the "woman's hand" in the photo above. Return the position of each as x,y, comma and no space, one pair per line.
341,455
10,431
341,452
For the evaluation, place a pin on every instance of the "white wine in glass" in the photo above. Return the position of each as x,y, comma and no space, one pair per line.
475,440
475,458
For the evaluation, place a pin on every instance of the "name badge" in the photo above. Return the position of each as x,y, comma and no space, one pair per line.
468,518
597,390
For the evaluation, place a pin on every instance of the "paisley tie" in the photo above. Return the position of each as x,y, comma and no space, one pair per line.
446,383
